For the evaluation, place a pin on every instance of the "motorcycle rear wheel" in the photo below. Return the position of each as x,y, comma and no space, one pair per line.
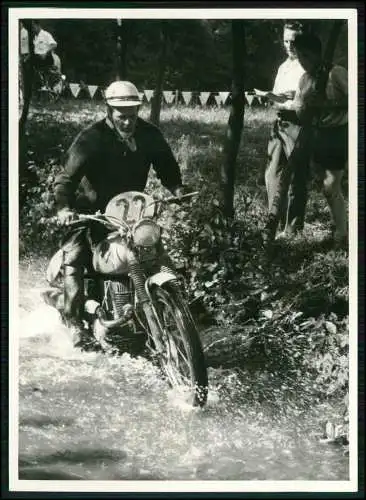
183,361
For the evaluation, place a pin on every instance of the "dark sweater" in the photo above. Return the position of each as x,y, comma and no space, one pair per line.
99,166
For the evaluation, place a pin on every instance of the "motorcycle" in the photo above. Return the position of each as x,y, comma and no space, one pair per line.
133,296
48,86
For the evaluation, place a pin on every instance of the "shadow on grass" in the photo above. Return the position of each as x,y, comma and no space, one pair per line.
41,473
85,455
44,421
49,466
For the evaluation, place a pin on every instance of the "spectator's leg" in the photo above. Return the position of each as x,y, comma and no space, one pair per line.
336,202
273,169
297,198
276,179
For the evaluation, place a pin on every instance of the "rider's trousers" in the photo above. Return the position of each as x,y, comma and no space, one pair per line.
77,255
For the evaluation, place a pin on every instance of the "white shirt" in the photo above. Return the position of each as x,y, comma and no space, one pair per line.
24,44
43,42
288,76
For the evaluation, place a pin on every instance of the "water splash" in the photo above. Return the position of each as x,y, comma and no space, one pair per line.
121,407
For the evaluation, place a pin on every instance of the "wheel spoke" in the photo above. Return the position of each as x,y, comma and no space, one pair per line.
181,364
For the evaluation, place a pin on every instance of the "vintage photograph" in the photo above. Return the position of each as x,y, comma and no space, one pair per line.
183,250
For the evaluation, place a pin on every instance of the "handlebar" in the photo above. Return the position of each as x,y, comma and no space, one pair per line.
108,220
173,199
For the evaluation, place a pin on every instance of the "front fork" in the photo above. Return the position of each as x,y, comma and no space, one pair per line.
142,290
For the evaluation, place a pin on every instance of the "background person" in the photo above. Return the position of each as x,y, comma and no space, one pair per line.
285,208
329,116
44,45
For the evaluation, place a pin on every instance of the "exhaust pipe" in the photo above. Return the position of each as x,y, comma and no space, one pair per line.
93,308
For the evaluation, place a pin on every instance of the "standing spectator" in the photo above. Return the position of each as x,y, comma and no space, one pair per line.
285,207
24,42
328,114
44,45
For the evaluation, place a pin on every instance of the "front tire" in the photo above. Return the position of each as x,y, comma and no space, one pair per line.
183,361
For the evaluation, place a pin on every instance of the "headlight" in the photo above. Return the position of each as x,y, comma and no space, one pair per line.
146,233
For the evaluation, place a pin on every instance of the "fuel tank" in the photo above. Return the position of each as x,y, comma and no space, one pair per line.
110,256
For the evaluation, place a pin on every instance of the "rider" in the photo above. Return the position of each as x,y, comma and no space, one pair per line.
109,157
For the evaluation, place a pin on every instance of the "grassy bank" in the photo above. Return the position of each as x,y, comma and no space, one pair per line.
286,319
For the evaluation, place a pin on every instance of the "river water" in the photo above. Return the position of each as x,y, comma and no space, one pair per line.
90,416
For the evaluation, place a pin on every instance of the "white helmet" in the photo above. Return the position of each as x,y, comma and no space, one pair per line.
119,94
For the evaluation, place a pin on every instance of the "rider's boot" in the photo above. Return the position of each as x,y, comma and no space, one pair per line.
74,303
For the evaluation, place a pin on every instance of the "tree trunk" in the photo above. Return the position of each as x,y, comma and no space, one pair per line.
235,124
123,39
26,77
158,92
118,49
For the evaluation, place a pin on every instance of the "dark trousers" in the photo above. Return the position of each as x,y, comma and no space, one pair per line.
43,63
77,256
287,181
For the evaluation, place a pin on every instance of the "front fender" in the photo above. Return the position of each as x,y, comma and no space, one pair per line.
159,279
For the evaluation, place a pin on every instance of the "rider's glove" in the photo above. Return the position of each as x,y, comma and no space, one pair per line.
65,216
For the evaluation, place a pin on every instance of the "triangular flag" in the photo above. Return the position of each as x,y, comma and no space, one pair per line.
169,96
92,90
224,96
149,94
249,98
218,99
75,89
204,97
187,96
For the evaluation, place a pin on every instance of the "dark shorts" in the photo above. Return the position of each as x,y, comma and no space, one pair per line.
41,63
330,147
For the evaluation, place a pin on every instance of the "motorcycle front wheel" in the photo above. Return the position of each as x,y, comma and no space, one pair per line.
183,361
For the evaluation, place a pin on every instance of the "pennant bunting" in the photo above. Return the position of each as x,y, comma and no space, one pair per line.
169,96
249,98
204,97
224,96
187,96
75,89
92,89
149,94
218,99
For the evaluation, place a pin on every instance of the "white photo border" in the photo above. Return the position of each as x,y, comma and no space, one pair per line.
14,14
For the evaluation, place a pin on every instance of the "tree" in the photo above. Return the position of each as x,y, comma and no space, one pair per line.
26,76
235,124
158,93
124,29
